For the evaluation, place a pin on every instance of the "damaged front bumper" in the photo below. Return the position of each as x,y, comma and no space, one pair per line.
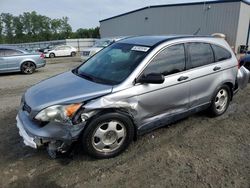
59,134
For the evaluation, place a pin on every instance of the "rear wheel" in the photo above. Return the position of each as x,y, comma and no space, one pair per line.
73,54
28,67
220,101
108,135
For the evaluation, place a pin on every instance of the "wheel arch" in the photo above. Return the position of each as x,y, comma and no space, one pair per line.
25,61
231,86
122,111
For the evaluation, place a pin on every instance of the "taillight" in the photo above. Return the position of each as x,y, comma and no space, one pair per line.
42,55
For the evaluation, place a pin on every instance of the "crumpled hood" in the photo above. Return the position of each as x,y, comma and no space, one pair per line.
64,88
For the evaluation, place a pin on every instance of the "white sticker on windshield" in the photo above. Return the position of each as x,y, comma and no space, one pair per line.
140,48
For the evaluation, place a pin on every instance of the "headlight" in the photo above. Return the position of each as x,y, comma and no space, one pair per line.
59,113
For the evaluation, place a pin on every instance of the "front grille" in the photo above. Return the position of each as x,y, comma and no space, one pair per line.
26,107
85,53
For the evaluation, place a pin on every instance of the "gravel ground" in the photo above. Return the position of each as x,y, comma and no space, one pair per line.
196,152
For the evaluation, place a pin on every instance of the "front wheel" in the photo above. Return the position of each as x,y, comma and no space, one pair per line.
220,101
28,67
108,135
51,55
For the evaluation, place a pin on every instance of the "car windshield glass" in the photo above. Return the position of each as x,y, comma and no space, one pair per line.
113,64
102,43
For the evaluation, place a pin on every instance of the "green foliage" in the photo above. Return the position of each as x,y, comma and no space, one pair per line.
31,27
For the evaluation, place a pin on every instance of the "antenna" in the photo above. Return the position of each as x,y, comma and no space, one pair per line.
196,32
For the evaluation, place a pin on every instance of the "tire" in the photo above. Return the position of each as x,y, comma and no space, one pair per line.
220,101
28,67
108,135
52,55
73,54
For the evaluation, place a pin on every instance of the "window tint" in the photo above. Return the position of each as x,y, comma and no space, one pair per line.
200,54
60,48
9,52
169,61
220,53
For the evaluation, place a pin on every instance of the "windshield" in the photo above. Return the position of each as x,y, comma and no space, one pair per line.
113,64
102,43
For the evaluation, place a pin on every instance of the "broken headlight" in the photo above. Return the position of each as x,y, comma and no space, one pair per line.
58,113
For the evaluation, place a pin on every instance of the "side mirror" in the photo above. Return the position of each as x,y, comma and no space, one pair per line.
152,78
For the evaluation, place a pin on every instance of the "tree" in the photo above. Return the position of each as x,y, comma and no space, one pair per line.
18,28
66,29
8,25
1,30
31,27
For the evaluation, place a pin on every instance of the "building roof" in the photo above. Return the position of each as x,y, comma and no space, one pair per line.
150,41
179,4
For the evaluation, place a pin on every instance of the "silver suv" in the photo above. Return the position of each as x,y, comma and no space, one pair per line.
131,87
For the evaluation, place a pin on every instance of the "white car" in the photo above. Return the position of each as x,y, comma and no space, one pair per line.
63,50
98,46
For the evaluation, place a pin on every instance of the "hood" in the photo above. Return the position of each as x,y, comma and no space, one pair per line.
64,88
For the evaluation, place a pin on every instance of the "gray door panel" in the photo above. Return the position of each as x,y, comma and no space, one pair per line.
204,81
3,65
156,101
13,62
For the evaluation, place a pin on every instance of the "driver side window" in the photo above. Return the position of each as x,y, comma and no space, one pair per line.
169,61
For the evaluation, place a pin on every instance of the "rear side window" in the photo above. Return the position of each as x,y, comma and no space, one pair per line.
221,53
9,52
169,61
200,54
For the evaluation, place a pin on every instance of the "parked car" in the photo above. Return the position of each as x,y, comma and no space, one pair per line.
129,88
46,49
62,50
98,46
245,60
15,60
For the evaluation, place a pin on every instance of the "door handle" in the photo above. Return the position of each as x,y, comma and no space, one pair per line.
182,78
216,68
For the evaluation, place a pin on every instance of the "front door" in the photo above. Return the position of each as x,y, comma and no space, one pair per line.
158,102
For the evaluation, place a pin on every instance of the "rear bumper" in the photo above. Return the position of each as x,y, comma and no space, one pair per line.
243,77
42,64
36,136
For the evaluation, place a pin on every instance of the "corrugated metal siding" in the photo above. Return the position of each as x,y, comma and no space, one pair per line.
243,25
220,17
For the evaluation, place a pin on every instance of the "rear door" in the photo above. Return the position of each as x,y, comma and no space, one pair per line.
206,75
13,58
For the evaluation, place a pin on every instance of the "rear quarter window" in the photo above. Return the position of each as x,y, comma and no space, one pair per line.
220,53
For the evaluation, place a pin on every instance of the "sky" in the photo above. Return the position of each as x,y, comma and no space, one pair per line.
81,13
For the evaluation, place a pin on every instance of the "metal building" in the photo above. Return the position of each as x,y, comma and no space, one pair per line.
230,17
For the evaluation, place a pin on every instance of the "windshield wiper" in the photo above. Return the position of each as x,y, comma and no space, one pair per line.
94,79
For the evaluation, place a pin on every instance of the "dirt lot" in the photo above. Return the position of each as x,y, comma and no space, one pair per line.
196,152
